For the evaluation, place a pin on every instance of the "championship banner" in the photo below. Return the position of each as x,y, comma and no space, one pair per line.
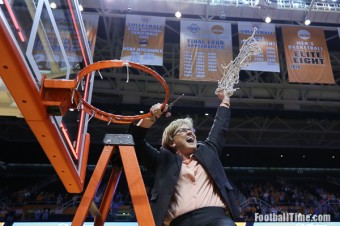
307,56
265,35
144,40
204,48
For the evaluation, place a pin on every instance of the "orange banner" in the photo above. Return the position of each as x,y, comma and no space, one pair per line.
204,48
144,40
307,55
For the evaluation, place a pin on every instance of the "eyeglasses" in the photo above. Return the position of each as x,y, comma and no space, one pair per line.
184,130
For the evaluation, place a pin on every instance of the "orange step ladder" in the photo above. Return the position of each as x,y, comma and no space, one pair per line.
124,143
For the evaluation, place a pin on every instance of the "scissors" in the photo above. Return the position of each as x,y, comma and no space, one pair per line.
168,113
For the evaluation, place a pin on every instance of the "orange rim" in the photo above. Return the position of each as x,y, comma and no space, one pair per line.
109,117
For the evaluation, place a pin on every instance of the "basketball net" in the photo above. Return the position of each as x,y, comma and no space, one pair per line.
231,72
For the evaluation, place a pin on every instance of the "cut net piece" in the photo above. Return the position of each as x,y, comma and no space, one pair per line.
231,71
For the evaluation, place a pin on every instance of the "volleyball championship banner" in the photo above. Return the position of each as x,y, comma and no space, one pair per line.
144,40
265,35
307,55
204,48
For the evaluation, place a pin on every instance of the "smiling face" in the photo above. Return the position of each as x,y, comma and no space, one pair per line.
179,136
184,140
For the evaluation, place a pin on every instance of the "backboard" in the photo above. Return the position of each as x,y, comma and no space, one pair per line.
39,42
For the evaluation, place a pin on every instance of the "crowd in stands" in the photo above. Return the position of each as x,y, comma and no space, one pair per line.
279,195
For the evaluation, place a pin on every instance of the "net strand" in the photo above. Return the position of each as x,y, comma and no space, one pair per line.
231,72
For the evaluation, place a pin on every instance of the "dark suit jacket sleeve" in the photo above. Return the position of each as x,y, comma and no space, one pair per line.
147,155
216,137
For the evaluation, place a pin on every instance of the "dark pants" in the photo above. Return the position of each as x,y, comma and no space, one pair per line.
206,216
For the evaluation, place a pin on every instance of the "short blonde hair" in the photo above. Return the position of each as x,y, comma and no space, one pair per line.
169,131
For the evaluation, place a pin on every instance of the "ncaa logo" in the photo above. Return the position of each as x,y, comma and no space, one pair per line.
194,28
304,34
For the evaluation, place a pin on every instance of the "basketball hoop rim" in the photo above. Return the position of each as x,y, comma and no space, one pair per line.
109,117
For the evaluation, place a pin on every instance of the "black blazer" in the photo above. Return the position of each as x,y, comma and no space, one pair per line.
166,166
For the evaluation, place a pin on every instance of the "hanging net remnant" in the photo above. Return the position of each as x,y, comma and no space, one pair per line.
231,71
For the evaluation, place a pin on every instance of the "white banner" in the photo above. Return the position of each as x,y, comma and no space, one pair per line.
268,60
144,40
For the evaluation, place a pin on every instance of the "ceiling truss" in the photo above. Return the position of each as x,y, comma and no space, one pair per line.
268,111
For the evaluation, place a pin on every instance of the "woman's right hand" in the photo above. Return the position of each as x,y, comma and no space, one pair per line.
157,111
